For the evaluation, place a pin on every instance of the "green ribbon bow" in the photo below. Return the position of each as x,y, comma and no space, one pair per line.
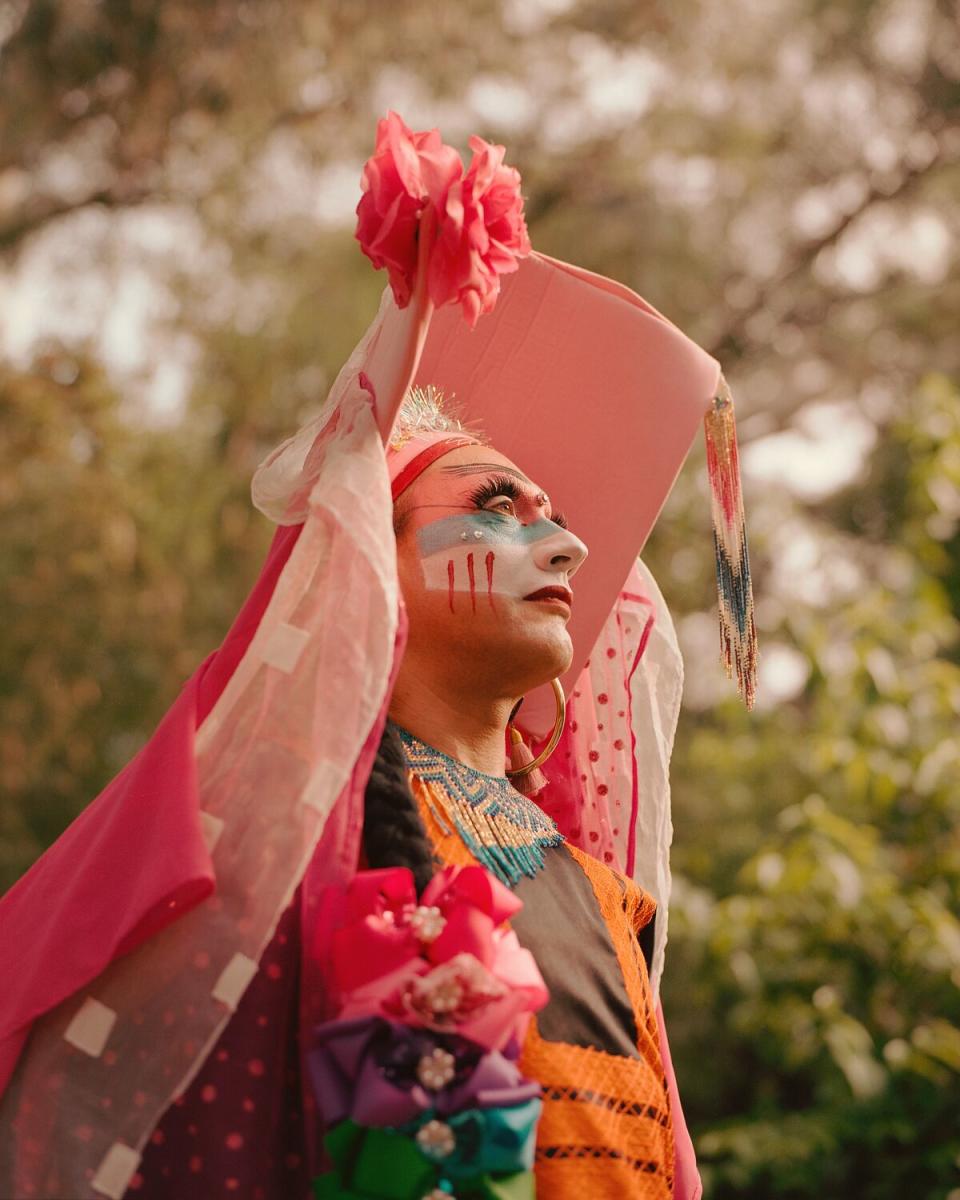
381,1164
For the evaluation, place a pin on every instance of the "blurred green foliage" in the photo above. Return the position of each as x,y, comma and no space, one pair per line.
818,909
781,181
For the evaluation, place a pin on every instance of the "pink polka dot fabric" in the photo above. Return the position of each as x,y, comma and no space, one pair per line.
238,1130
592,791
608,783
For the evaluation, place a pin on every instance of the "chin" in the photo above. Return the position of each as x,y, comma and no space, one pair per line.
545,656
510,647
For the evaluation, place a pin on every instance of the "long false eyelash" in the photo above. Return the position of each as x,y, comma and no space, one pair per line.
502,485
496,485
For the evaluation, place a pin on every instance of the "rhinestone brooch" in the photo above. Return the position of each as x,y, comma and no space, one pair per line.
436,1069
436,1139
428,922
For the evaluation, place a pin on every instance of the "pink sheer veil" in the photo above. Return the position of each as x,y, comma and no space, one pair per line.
271,737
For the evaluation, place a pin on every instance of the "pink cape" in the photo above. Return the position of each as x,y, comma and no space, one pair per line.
132,862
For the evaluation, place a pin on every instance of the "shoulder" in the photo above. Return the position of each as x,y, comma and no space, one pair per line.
613,887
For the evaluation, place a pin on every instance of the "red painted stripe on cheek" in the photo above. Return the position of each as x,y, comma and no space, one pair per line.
489,564
473,589
450,582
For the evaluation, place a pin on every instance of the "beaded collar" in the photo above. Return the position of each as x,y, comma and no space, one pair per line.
504,830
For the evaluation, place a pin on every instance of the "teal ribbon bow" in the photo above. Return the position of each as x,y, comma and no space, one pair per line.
492,1159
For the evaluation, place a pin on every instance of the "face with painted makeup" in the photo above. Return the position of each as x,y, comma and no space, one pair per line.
486,567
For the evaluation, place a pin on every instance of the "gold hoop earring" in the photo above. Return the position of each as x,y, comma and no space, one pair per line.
554,738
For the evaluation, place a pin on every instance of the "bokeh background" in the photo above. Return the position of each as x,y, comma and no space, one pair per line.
179,284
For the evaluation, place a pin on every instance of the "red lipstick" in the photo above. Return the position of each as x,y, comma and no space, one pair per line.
555,592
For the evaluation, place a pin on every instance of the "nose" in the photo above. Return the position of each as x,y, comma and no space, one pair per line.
560,551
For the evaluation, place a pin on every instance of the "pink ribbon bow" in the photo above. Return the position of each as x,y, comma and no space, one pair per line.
449,963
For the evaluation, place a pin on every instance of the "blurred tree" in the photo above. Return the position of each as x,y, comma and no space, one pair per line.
779,179
821,940
98,540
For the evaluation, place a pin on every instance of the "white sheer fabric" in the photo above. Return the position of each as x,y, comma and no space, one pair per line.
283,481
655,692
272,758
610,781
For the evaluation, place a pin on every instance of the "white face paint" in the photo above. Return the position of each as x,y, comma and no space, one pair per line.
486,554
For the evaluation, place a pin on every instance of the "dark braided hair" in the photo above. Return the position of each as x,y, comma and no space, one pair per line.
393,832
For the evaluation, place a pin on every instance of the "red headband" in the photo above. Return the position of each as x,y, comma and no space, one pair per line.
419,463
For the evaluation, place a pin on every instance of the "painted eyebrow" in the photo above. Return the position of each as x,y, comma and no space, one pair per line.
477,468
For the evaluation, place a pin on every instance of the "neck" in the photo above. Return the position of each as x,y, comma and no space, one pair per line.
471,730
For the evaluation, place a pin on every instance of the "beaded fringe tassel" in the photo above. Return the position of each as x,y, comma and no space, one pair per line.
738,634
495,838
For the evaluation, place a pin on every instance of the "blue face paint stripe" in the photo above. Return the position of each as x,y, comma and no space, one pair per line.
443,535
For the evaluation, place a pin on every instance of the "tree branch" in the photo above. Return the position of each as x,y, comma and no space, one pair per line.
48,210
805,255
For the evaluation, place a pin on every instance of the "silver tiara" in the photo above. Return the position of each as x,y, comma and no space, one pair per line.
426,410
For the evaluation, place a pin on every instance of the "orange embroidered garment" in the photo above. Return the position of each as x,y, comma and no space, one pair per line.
605,1129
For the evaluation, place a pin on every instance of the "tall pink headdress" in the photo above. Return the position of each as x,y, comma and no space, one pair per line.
598,397
144,924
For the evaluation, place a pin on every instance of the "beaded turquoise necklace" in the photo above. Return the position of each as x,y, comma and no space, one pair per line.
504,830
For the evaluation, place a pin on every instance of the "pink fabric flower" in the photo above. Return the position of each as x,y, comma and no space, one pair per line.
489,1004
474,904
480,230
448,996
473,976
481,234
407,171
364,931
